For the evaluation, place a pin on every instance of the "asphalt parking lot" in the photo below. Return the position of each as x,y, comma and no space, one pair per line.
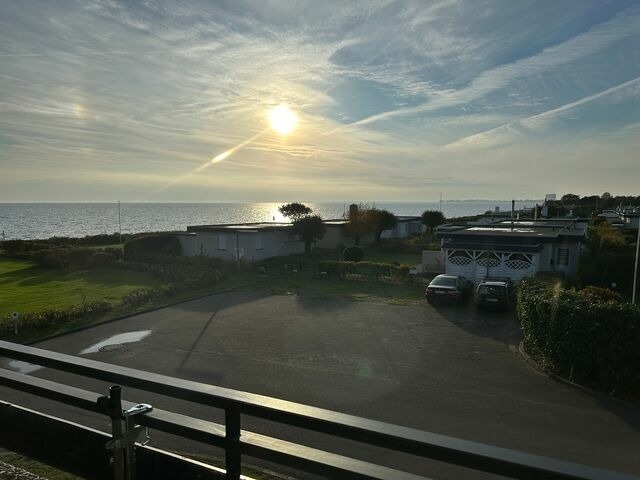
449,370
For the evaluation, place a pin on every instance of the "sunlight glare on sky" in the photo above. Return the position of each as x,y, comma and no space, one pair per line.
360,100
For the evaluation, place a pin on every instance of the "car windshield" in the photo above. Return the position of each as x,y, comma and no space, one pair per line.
444,282
497,290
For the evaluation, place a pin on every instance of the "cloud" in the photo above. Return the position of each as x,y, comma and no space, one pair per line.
114,95
622,26
541,121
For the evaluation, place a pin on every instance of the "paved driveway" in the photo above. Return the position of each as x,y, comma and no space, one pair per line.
448,370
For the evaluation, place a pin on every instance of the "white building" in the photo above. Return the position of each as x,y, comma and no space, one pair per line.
514,250
249,241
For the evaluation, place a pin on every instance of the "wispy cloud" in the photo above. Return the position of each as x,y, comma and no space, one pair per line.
121,98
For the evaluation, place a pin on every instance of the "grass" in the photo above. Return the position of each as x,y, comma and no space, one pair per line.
37,468
376,292
29,287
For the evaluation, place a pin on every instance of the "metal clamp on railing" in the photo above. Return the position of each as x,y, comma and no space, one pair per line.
122,444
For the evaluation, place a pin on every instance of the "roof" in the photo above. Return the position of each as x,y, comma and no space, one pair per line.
541,230
496,247
241,227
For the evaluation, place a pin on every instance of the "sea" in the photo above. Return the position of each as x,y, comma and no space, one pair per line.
44,220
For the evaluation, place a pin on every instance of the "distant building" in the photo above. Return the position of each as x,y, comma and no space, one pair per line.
513,249
623,217
248,241
407,225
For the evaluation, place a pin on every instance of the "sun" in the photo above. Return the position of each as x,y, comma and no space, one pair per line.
282,119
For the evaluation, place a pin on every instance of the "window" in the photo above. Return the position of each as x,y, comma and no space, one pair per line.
259,245
562,256
222,241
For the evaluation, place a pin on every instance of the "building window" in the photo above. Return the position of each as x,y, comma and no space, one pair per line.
222,241
259,245
562,256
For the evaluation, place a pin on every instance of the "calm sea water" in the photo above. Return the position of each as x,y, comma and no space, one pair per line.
44,220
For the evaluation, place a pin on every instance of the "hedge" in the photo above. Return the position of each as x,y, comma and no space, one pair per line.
152,245
371,270
581,335
30,321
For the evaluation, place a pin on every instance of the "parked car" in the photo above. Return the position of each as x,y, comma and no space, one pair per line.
494,293
448,288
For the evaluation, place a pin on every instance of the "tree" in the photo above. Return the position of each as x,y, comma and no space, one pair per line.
432,218
570,198
383,220
310,228
294,211
360,221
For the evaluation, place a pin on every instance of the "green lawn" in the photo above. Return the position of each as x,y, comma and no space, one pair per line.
29,287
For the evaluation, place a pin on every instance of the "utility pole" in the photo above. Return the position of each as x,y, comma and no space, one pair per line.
237,252
119,224
440,202
635,269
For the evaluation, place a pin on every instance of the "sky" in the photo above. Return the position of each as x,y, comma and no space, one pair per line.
102,100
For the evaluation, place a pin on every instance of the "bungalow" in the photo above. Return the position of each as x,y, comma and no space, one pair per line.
336,235
249,241
513,249
407,225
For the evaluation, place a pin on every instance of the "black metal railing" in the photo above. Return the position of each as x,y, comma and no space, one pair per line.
238,443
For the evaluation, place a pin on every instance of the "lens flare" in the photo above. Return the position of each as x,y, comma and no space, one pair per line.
282,119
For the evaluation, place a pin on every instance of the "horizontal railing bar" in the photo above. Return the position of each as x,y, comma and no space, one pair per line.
260,446
317,461
466,453
162,420
81,450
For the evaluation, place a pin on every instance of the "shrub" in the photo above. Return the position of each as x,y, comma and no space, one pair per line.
368,270
152,245
30,321
353,254
11,247
575,332
600,293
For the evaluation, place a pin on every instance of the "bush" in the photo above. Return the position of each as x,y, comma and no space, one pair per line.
11,247
600,293
367,270
580,333
353,254
152,245
30,321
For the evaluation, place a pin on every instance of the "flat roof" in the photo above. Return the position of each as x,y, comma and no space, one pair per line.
240,227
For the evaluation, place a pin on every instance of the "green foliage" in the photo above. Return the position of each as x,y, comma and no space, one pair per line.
570,198
295,211
600,293
365,270
29,321
432,218
361,220
411,244
383,220
353,254
152,245
309,228
595,339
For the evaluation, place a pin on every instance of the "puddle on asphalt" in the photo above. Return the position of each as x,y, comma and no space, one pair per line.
127,337
23,367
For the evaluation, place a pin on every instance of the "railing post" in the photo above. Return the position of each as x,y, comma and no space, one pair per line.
112,406
232,446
